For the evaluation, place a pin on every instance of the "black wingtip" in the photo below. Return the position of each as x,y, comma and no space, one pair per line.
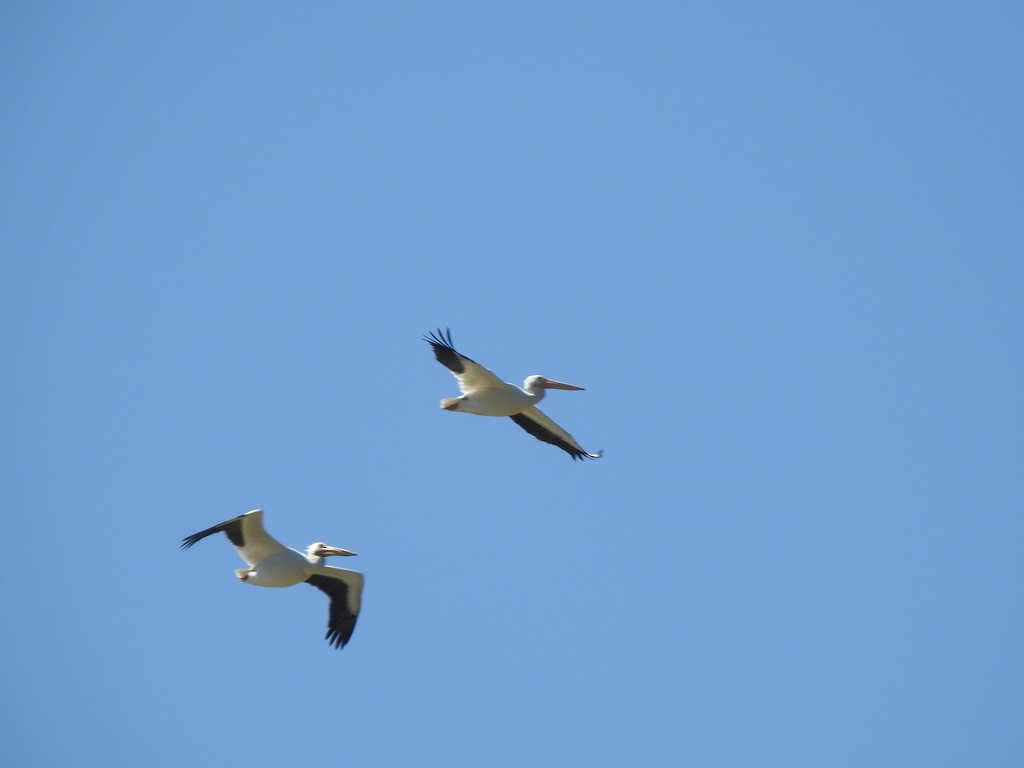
440,338
341,622
335,640
535,429
445,352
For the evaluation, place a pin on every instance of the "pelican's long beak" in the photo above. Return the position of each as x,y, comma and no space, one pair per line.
328,551
551,384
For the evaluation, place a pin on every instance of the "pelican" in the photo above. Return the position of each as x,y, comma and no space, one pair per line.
272,564
485,394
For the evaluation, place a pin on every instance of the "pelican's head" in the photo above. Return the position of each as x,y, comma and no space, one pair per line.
322,550
540,382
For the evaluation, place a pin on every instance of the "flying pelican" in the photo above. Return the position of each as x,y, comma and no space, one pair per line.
271,564
485,394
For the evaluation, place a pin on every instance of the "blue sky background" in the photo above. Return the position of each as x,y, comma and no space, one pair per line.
779,244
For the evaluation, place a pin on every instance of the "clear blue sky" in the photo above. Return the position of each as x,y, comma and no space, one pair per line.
779,244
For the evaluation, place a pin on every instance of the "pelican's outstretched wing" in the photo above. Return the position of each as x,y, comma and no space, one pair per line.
471,375
540,426
345,589
246,532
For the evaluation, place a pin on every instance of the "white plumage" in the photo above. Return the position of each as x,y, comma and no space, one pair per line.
271,564
485,394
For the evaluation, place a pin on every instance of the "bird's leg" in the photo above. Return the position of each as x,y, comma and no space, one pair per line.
452,403
244,573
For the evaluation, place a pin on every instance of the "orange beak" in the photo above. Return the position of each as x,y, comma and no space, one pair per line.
551,384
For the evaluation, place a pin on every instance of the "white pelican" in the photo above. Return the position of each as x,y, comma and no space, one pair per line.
485,394
272,564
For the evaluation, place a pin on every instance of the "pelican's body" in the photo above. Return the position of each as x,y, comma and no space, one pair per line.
507,400
284,569
271,564
484,394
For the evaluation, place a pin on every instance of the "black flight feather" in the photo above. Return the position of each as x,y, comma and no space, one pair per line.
445,352
232,528
540,433
341,622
